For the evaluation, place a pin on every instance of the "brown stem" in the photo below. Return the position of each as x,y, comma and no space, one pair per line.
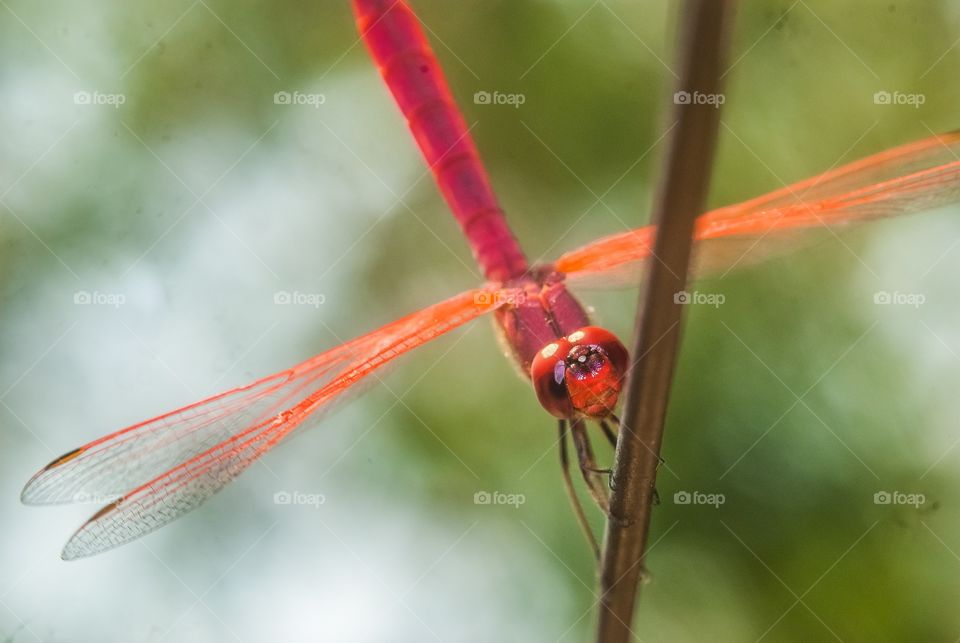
680,198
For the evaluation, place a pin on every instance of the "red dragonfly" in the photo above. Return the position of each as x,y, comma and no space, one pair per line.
156,471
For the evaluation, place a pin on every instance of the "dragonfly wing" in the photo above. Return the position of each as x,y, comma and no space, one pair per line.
874,169
105,468
174,493
153,472
911,178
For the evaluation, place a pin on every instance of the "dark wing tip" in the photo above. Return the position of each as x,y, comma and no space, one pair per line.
28,494
66,457
76,548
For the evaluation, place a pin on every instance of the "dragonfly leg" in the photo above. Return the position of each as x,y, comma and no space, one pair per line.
604,472
660,461
607,431
572,494
588,465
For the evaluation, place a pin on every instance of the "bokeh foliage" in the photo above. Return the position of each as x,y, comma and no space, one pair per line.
199,198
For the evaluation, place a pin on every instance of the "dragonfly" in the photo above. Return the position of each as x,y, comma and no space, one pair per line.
154,472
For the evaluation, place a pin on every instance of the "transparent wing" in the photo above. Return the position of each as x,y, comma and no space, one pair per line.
911,178
103,469
156,471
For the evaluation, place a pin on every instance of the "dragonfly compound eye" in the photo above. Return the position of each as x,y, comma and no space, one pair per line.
581,374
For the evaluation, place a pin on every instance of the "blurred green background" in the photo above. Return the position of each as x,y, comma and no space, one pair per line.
184,210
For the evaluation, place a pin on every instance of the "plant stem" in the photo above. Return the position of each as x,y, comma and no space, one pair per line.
680,197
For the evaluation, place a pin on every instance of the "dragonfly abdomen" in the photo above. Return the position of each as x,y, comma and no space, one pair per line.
398,46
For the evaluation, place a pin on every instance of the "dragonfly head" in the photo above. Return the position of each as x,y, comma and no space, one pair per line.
580,375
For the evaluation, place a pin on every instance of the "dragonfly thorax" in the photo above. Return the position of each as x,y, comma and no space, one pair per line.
580,375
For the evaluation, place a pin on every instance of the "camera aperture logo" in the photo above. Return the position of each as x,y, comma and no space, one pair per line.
896,298
87,498
99,98
899,498
299,98
499,498
97,298
299,498
297,298
499,98
699,298
698,98
699,498
500,298
899,98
